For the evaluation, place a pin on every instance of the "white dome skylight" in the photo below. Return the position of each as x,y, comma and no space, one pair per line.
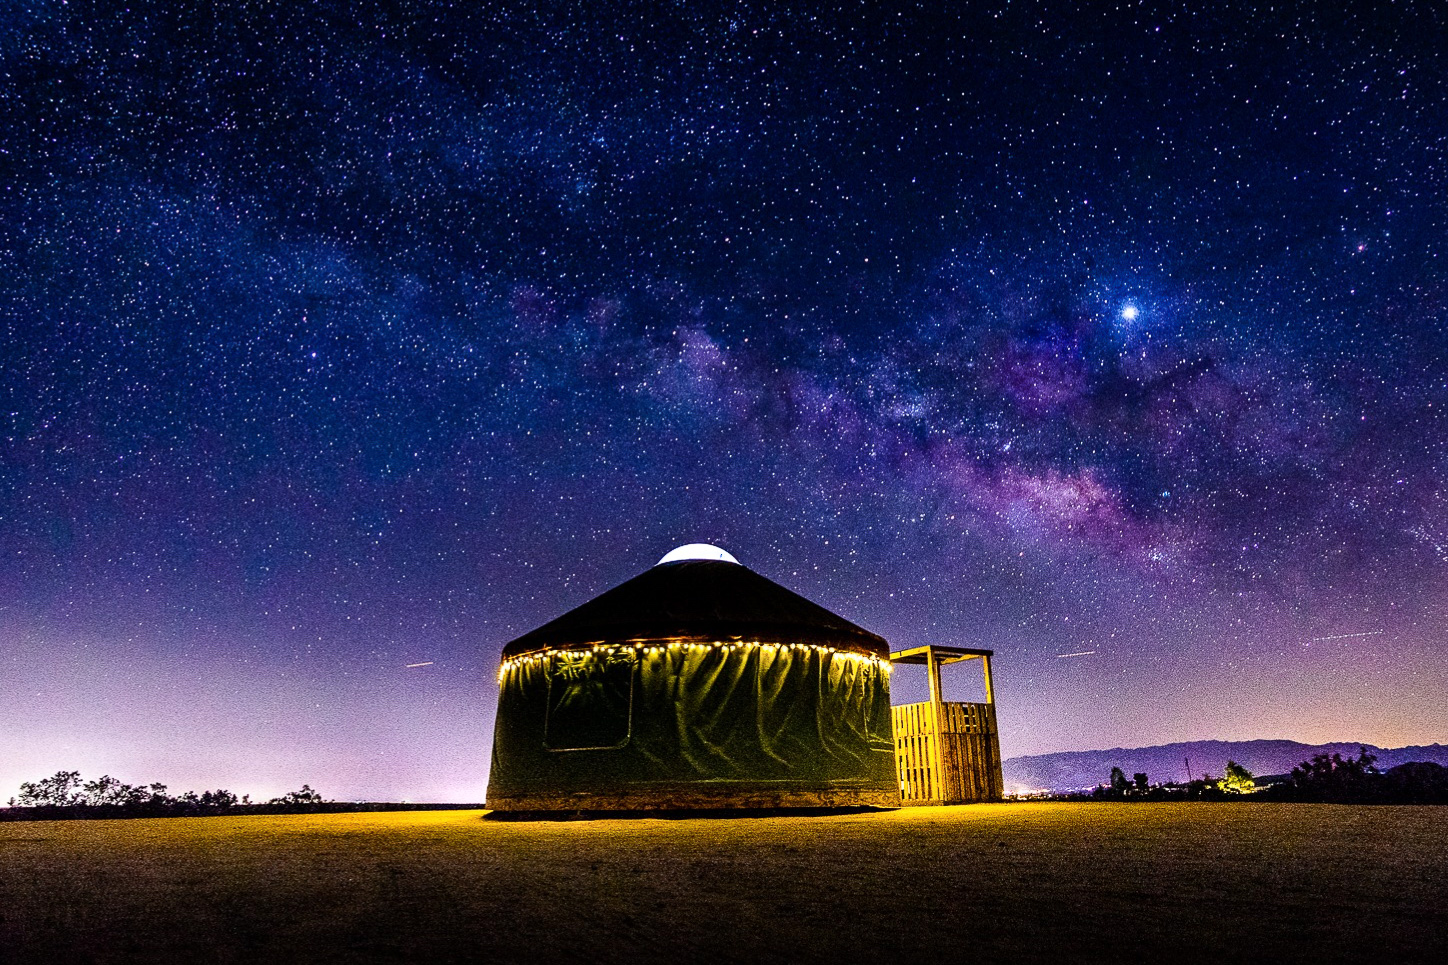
696,551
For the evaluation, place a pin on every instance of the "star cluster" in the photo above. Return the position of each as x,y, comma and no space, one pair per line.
338,340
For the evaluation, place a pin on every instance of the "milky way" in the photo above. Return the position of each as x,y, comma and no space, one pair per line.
339,345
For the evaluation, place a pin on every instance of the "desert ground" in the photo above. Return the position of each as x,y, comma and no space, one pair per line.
1006,882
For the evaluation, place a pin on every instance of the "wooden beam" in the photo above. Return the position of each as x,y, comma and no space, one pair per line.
937,719
943,655
933,669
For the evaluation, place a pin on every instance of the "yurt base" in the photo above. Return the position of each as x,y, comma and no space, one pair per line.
694,798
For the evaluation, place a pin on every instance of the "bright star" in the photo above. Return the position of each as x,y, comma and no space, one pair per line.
1129,313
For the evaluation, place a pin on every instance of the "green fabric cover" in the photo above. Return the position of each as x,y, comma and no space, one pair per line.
626,719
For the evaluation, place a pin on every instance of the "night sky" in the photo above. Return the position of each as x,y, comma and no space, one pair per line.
338,338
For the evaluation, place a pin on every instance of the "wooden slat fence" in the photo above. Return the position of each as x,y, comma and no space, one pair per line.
964,766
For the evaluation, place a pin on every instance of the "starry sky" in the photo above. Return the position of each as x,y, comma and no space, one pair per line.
339,338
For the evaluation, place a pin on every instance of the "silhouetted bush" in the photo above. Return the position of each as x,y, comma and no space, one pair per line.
64,795
1417,782
1326,778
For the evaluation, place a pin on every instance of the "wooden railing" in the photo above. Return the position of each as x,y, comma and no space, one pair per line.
949,758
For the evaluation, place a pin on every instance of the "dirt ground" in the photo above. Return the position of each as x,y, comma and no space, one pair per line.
1008,882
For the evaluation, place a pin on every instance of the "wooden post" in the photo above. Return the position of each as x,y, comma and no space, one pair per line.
937,720
933,669
995,782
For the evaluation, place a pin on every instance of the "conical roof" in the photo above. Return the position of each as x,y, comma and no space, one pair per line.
700,600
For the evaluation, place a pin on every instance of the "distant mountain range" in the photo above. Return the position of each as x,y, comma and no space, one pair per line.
1075,770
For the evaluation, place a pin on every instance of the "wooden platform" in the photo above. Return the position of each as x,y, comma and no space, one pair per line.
947,752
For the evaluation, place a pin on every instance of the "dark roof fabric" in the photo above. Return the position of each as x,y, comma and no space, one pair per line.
699,599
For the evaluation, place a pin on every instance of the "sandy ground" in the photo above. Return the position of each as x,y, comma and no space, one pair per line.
1009,882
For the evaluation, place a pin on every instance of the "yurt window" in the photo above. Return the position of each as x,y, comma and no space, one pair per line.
590,700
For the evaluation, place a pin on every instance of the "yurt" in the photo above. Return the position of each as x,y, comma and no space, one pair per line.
696,684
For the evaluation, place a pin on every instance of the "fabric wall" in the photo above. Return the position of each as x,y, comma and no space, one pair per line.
626,718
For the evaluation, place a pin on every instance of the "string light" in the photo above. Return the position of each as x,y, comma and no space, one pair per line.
528,660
